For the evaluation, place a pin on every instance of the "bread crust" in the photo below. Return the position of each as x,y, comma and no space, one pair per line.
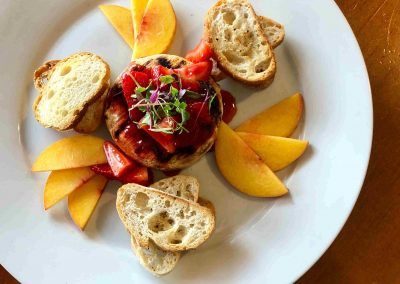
44,73
267,23
143,241
93,116
116,121
268,77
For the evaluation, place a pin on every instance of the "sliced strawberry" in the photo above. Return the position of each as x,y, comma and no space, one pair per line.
104,170
165,140
129,80
202,52
190,85
128,87
159,70
141,78
195,72
119,163
139,175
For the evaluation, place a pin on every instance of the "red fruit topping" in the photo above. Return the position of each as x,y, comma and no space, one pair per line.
196,72
202,52
119,163
190,85
139,175
129,80
104,170
165,140
158,71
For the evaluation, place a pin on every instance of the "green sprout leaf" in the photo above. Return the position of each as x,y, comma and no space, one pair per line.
174,91
167,79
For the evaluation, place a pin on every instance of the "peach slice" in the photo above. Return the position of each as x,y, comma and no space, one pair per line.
242,168
279,120
138,7
72,152
156,30
83,200
63,182
120,18
276,152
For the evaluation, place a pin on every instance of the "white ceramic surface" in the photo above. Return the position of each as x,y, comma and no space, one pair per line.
256,240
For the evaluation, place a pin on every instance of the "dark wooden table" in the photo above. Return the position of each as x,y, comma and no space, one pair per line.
368,248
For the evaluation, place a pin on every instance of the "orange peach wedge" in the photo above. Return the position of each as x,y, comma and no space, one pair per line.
279,120
120,18
138,7
243,168
276,152
157,29
72,152
63,182
83,200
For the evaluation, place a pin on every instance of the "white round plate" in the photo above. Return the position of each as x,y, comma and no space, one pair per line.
256,240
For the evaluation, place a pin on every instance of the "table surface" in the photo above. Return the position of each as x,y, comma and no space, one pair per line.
367,250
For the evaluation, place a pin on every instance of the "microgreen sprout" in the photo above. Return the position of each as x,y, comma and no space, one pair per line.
163,102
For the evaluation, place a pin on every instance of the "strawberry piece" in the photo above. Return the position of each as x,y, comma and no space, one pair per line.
202,52
190,85
165,140
140,175
158,71
129,85
119,163
104,170
195,72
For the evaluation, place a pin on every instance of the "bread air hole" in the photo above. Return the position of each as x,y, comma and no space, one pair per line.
178,235
160,222
50,94
232,57
227,35
65,70
261,67
229,18
141,200
64,113
167,203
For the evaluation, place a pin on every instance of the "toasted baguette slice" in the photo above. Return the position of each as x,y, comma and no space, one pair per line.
206,203
274,31
182,186
154,259
68,87
93,116
239,43
173,223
